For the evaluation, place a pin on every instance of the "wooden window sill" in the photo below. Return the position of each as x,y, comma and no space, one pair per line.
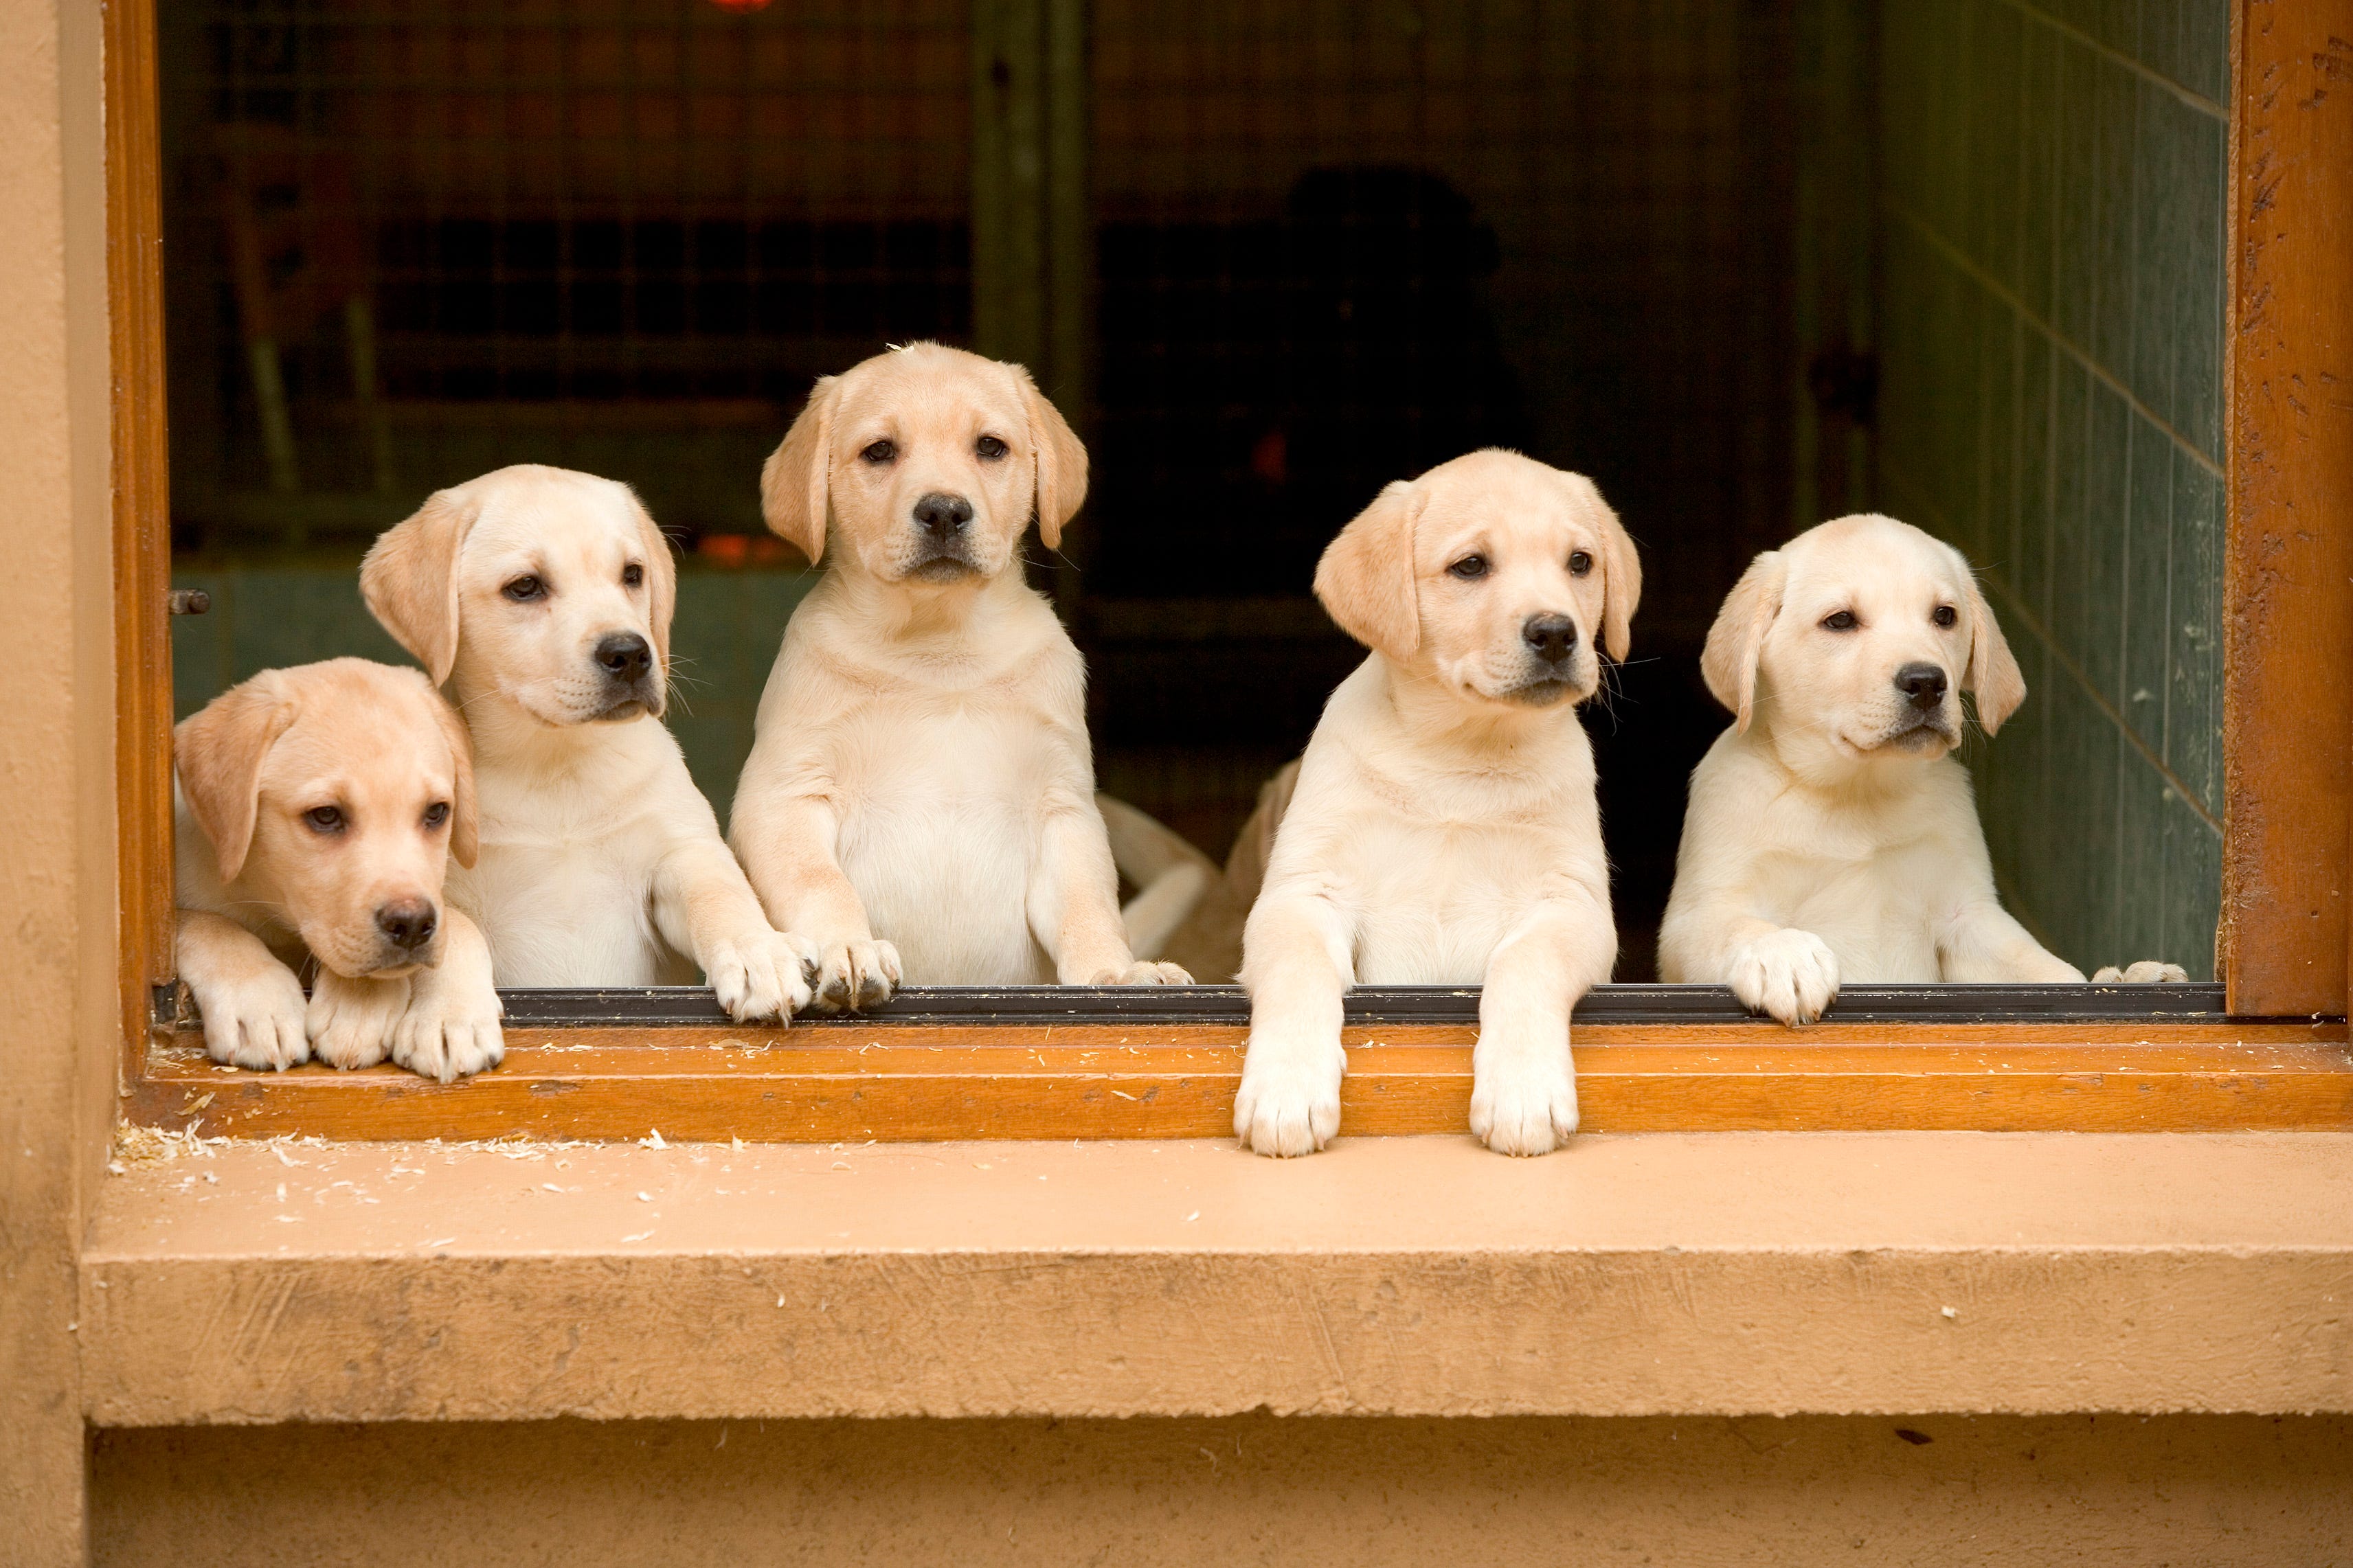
1728,1274
1043,1063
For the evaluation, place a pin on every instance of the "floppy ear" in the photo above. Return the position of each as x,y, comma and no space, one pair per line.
1062,461
465,819
1729,660
1621,573
410,579
1365,578
218,752
1994,675
793,495
662,581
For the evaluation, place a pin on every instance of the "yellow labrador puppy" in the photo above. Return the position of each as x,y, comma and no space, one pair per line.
318,809
920,795
1443,830
541,598
1831,836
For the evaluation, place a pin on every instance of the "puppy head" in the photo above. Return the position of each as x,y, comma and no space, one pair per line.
339,791
552,588
923,466
1494,570
1862,632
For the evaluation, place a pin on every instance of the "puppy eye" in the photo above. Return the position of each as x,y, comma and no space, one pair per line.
436,814
325,818
880,452
991,449
1471,568
1840,621
1579,563
1947,615
632,575
523,590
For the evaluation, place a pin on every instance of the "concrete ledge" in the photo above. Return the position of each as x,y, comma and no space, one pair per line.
1724,1274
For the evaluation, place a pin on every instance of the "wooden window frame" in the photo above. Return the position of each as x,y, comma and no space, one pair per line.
2264,1048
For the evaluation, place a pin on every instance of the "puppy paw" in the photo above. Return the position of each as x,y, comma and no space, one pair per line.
450,1029
764,975
855,974
258,1022
1290,1101
351,1022
1791,975
1143,972
2148,972
1528,1107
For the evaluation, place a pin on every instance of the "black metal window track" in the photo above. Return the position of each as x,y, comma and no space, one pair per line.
693,1007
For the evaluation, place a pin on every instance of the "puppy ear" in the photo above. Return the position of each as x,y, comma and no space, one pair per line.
1062,461
1621,573
410,578
661,582
1994,675
465,813
1729,660
1365,578
218,752
793,493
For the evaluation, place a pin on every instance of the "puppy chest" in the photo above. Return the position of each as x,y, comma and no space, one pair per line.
567,910
1433,906
940,843
1877,911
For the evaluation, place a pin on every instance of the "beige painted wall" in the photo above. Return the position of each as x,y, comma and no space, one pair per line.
56,906
1691,1493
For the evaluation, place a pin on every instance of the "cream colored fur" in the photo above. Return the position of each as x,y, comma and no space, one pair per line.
1189,911
1443,831
1831,837
920,795
311,802
601,863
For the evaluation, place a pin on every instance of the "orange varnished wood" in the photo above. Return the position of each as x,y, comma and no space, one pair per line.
2288,577
142,523
915,1085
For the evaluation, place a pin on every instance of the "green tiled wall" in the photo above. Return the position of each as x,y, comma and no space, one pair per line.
2051,319
722,640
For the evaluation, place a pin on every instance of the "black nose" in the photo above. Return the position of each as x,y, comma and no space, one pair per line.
942,516
1923,683
1553,638
410,923
625,657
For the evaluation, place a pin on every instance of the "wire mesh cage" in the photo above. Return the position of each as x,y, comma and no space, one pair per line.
621,236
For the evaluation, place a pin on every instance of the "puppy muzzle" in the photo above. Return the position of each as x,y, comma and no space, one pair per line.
630,682
942,551
1925,716
950,562
1921,729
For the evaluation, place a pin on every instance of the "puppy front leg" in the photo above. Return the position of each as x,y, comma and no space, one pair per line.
1297,964
1984,944
351,1022
451,1027
788,847
705,907
252,1005
1524,1093
1073,906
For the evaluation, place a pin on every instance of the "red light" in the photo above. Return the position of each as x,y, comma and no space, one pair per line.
741,7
